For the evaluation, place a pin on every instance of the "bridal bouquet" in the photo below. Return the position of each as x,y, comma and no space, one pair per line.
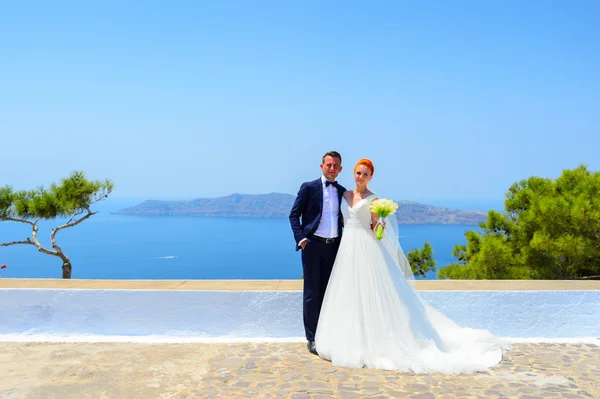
383,207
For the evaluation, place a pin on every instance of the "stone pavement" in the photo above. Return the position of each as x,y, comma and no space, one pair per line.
276,370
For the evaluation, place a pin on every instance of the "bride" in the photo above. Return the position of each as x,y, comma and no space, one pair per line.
371,315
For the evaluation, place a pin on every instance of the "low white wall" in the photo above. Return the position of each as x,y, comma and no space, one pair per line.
251,315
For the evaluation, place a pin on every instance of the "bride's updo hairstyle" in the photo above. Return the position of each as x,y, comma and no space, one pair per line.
366,162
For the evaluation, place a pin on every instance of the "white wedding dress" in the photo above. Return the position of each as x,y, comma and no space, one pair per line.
372,317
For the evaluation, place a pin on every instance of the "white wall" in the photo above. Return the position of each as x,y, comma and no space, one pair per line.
251,315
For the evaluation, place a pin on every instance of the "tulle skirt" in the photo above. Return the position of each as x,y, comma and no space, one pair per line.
372,317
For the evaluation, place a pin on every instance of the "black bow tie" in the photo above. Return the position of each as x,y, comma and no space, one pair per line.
328,183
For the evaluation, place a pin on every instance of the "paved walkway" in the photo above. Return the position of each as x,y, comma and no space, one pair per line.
276,370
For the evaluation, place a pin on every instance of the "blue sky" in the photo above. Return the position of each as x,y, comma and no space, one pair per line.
452,100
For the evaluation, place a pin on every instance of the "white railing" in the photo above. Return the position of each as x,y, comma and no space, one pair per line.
205,314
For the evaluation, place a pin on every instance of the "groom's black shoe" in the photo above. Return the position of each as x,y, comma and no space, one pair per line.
312,347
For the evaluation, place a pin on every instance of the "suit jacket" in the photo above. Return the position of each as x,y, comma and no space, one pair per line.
306,211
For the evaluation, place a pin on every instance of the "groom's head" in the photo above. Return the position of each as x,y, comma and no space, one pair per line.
331,165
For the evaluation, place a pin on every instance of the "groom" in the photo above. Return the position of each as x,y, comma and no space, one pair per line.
318,234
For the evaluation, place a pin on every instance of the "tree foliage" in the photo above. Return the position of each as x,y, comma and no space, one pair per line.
72,198
550,229
421,260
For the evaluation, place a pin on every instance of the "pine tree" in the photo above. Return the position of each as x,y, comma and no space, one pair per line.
72,199
550,229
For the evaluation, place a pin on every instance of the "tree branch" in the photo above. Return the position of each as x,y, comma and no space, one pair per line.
37,243
6,244
67,225
34,229
101,198
73,217
11,219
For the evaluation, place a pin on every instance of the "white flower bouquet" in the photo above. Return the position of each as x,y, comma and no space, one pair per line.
383,207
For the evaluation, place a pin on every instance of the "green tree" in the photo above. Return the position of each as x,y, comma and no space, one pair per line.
71,199
550,229
421,260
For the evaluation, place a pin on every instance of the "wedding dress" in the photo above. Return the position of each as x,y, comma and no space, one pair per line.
372,317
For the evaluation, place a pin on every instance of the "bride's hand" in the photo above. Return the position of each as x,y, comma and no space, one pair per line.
377,224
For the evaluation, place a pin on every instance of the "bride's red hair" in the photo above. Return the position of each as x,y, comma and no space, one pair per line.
365,162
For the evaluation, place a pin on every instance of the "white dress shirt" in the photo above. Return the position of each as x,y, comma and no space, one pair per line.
328,225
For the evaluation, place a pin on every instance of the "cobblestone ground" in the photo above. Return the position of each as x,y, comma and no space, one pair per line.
276,370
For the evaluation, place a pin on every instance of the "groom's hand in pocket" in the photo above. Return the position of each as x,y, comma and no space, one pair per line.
303,244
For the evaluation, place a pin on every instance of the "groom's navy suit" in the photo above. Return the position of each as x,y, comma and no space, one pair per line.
319,253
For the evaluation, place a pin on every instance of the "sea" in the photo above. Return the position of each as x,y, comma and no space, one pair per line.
110,246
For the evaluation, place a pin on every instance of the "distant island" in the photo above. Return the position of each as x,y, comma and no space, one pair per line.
278,205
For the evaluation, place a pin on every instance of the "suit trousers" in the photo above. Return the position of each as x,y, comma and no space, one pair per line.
317,263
